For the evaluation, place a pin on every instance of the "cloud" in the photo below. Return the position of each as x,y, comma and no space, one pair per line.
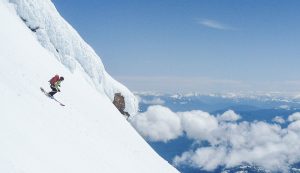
295,127
229,115
294,117
207,158
198,124
214,24
154,101
287,107
229,142
259,143
278,119
158,123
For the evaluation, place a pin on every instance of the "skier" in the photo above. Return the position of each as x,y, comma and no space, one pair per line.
55,84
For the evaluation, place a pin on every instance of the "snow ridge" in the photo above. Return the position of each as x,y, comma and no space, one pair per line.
59,37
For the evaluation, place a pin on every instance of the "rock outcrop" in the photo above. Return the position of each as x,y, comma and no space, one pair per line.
119,102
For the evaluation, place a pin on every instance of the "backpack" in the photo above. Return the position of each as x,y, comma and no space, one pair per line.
54,79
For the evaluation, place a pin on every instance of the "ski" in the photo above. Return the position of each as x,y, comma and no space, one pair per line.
57,101
42,89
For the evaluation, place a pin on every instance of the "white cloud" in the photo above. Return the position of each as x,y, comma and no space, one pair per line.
198,124
158,123
230,143
154,101
214,24
294,116
287,107
278,119
229,115
258,143
207,158
295,126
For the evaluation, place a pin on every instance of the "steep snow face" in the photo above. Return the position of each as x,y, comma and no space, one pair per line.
56,35
37,135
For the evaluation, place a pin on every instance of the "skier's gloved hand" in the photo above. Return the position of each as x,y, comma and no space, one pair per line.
58,90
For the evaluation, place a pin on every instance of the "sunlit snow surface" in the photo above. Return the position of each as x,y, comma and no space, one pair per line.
88,135
60,39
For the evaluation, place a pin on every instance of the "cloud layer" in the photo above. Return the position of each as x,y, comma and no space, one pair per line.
154,101
230,143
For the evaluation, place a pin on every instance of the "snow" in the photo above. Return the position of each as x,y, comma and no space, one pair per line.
57,36
37,134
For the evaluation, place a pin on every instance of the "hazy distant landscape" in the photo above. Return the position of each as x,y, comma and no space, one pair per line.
262,108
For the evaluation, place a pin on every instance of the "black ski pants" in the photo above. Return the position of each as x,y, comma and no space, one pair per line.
54,90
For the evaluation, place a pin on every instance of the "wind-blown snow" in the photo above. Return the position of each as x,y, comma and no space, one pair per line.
56,35
40,136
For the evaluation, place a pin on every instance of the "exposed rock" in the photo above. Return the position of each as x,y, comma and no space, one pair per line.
119,102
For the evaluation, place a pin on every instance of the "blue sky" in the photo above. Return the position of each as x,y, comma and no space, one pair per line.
192,45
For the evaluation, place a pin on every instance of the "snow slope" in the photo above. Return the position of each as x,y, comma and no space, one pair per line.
38,135
57,36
